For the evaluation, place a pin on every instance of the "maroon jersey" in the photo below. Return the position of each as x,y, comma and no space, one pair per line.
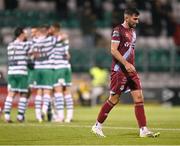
121,80
126,37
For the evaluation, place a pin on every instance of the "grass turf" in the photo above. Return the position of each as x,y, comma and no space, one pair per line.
120,128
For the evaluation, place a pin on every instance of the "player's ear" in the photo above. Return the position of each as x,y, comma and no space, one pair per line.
126,17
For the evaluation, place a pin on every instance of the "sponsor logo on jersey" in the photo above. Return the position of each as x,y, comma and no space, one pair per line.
128,35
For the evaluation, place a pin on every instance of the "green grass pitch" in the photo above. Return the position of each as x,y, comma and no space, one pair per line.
120,128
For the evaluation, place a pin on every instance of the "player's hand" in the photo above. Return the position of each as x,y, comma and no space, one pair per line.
129,67
68,56
36,54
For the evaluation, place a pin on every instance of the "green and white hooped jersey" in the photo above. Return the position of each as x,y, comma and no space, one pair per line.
17,57
44,46
61,50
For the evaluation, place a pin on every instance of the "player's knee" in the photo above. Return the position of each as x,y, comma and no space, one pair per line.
114,99
139,98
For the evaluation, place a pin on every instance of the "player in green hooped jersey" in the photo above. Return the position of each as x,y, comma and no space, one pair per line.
17,75
62,75
43,44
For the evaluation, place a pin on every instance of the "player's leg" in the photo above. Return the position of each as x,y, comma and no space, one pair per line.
23,89
46,100
44,88
69,104
67,95
105,109
38,96
140,114
137,95
116,83
22,107
139,107
58,95
50,110
59,103
9,99
8,106
38,102
47,85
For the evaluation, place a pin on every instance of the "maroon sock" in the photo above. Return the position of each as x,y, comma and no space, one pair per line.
105,109
140,114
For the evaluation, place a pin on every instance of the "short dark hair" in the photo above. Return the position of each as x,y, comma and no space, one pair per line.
56,25
34,26
18,31
131,11
46,26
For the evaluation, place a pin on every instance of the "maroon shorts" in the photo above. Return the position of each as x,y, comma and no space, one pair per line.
122,83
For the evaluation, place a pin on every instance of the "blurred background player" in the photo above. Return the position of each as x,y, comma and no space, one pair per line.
17,74
32,56
43,70
62,75
31,72
99,77
123,74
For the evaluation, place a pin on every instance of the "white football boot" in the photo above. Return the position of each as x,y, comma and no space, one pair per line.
97,130
144,132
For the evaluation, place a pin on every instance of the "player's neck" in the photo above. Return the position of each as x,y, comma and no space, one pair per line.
19,39
57,34
41,36
125,25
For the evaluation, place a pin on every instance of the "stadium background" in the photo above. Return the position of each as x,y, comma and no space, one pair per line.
89,23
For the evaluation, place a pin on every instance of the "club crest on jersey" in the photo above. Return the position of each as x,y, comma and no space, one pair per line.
128,36
115,33
122,87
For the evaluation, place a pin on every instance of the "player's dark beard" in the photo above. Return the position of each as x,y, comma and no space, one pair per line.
131,25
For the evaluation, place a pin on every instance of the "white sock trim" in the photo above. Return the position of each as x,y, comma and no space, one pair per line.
98,124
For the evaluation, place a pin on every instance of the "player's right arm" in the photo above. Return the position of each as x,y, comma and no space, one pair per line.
116,54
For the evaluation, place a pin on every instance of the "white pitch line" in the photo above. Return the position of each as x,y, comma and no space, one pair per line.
80,126
94,145
97,145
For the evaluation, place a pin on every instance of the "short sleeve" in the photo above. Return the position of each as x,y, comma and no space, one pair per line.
115,36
